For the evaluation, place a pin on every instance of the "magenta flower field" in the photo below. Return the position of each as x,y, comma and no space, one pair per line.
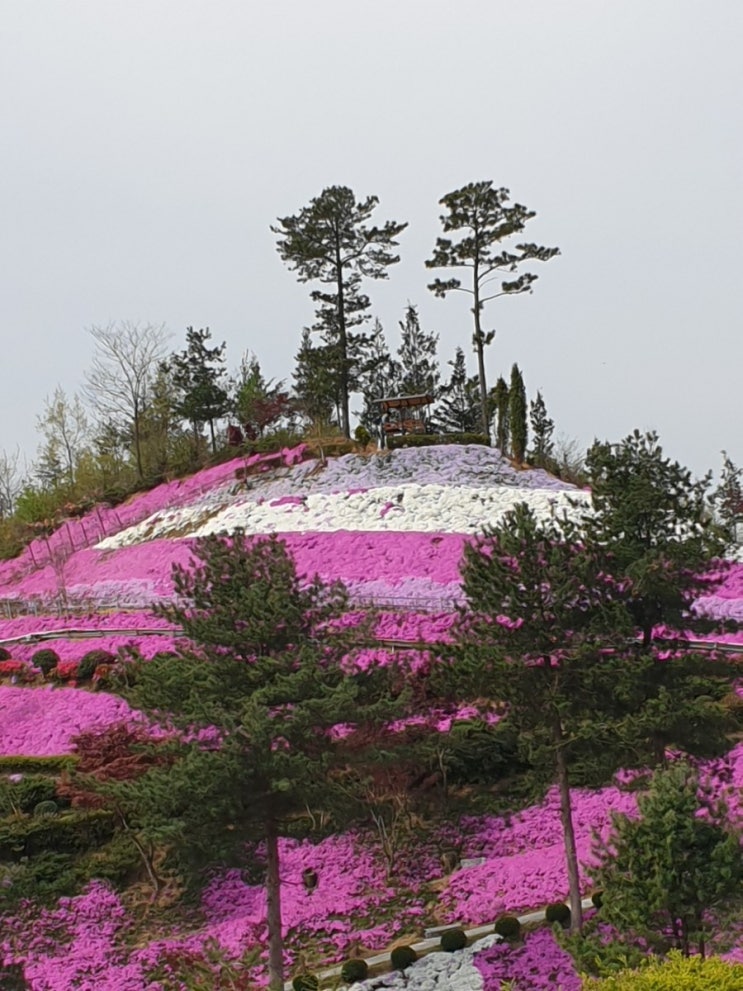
102,572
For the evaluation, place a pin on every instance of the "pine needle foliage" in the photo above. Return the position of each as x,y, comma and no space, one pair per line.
656,519
268,678
665,874
548,633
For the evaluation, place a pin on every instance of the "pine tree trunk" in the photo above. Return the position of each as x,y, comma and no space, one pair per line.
273,909
566,816
480,347
343,337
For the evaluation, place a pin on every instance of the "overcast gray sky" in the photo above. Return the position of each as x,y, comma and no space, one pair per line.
146,147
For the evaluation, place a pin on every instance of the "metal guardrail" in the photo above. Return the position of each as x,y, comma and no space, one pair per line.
72,634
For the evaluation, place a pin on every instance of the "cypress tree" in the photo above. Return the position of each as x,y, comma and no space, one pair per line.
517,415
500,396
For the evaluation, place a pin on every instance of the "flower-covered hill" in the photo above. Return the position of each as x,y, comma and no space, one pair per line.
392,526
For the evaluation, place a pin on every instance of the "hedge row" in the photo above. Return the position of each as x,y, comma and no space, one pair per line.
426,440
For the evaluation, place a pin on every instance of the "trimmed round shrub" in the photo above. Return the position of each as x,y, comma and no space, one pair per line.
90,661
354,970
453,940
402,957
46,808
507,926
598,899
5,654
306,982
46,659
558,912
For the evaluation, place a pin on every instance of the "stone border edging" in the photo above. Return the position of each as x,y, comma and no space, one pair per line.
426,946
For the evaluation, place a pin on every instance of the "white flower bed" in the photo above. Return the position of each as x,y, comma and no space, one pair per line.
432,508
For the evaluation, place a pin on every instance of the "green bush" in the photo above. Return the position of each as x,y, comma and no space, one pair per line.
46,808
117,861
507,926
354,970
402,957
68,832
598,956
597,898
675,973
24,795
5,655
90,661
306,982
37,765
558,912
46,660
477,753
427,440
362,435
41,879
271,443
453,940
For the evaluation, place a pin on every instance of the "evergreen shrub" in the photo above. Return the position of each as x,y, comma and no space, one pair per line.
14,764
362,435
90,661
427,440
46,660
402,957
354,970
453,940
507,926
273,442
64,833
558,912
24,795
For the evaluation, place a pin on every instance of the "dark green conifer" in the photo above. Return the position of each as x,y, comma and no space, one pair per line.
267,679
517,415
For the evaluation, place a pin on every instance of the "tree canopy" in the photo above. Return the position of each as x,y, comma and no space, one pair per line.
331,241
480,215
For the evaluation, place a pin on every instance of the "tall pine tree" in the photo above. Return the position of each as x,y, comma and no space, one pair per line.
332,242
269,676
657,521
546,632
481,216
198,374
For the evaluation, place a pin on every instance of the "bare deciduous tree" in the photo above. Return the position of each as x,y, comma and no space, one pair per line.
125,363
64,426
11,481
